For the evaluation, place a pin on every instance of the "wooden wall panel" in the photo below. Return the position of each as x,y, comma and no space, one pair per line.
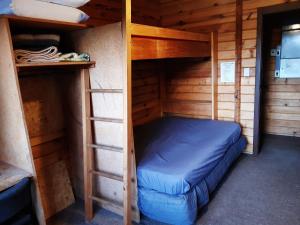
44,113
110,11
219,15
188,88
281,99
146,91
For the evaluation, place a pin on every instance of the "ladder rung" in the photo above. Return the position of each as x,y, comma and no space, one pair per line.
107,175
103,201
106,147
105,90
103,119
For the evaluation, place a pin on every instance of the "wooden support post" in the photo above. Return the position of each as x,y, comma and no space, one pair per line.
214,75
87,140
238,63
162,88
127,128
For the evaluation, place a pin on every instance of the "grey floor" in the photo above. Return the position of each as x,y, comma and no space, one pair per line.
262,190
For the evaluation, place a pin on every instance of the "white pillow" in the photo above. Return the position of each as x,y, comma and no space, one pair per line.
44,10
71,3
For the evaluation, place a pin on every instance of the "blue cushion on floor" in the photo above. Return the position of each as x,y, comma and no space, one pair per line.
13,200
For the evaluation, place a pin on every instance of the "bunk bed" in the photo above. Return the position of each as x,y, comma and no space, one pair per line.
180,160
149,42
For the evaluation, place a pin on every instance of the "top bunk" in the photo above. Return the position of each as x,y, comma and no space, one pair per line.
149,42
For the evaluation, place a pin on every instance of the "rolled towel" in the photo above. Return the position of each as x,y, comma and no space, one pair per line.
50,54
74,57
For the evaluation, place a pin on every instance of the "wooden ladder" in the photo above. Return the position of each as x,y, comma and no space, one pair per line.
89,148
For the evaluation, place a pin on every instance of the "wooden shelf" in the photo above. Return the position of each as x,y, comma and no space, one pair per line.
34,23
67,65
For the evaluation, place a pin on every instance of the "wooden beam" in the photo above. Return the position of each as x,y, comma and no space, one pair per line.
87,139
127,127
151,48
238,59
214,75
36,23
166,33
15,151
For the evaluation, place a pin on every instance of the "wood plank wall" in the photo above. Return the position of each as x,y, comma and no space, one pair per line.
188,88
44,113
219,15
281,105
109,11
146,91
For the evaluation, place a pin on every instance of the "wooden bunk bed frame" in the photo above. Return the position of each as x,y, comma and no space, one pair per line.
140,42
149,42
145,42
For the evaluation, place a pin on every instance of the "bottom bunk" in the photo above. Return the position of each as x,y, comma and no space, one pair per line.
180,162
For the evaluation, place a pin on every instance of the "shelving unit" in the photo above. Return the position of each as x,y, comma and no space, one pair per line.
44,114
62,65
34,117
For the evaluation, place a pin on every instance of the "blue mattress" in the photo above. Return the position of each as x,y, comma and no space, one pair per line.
15,204
177,153
183,208
180,162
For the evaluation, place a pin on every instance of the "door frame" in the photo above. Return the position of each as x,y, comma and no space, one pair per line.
261,13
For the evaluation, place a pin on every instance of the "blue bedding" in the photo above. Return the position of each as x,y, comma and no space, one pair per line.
177,153
183,208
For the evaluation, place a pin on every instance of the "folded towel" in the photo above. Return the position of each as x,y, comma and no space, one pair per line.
42,10
35,41
71,3
50,54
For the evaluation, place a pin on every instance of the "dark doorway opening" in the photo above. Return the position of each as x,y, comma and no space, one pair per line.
269,19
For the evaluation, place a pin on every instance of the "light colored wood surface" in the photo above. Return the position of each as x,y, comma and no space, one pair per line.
188,88
107,74
10,175
42,96
281,105
27,22
214,75
128,145
238,59
55,187
15,144
28,66
139,30
146,99
88,154
152,48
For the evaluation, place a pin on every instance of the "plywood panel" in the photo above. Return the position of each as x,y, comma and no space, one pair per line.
43,106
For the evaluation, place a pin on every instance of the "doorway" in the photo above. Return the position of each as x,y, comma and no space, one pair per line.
269,32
